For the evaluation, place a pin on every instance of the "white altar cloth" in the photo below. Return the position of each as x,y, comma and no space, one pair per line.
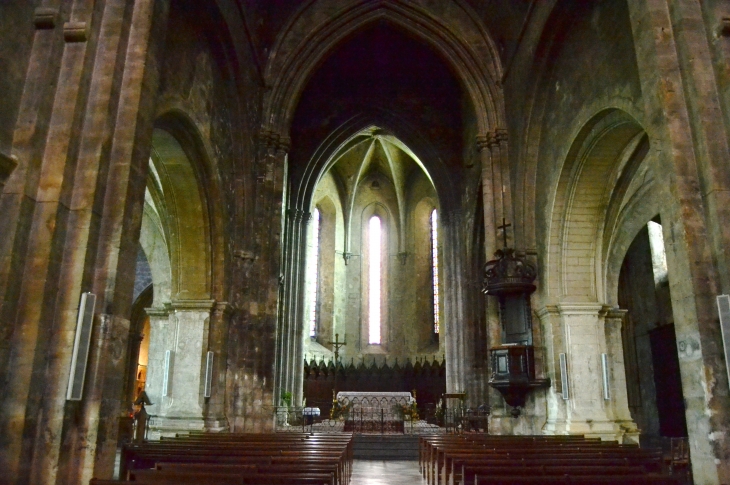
373,396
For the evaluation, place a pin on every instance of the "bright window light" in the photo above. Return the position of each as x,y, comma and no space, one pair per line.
313,274
658,253
435,269
374,245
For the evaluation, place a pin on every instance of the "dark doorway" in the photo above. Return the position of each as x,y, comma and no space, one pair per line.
653,380
670,400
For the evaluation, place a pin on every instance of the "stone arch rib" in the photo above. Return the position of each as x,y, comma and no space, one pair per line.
587,181
310,36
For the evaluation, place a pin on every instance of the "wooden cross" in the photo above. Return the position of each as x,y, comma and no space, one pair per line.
504,227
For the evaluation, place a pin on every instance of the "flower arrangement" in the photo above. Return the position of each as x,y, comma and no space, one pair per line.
286,398
340,410
407,411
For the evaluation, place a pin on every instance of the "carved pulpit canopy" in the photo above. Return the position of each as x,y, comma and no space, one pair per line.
509,273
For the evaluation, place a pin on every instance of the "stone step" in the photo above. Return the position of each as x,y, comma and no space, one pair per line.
385,447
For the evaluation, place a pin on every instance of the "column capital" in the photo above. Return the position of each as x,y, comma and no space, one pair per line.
191,305
616,314
222,309
295,214
547,311
482,142
157,312
577,308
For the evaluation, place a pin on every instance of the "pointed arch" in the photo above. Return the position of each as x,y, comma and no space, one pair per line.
602,157
455,33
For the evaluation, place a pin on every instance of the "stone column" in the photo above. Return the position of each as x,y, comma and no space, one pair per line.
619,395
70,217
159,323
186,337
673,55
459,353
215,413
255,336
554,344
299,263
587,412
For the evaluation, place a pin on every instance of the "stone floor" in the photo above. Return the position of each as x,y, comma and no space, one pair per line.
366,472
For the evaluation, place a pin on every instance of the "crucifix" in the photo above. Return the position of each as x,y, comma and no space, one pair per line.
504,227
337,344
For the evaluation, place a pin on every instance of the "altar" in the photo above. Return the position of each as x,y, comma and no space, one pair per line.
375,411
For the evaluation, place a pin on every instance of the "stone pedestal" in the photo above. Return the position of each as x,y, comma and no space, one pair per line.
587,412
181,328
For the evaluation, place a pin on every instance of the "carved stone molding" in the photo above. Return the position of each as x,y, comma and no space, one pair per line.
7,165
160,312
482,142
192,305
75,32
44,18
222,309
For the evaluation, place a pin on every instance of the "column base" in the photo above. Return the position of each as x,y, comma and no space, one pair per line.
217,424
606,430
170,426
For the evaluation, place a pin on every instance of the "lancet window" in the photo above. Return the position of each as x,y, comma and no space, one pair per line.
435,271
375,279
313,274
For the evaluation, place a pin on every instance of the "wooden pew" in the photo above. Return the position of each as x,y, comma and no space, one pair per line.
453,459
292,459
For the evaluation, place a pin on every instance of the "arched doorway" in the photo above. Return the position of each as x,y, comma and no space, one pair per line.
179,259
654,385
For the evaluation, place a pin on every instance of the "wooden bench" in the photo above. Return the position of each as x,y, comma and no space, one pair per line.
464,459
246,459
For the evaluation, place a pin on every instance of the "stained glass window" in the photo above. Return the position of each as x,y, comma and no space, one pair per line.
313,274
435,270
374,246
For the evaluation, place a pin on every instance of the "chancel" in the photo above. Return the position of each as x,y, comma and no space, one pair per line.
516,208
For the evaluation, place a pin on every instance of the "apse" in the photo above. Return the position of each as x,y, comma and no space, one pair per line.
373,254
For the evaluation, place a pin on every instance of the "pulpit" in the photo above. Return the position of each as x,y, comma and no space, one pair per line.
510,278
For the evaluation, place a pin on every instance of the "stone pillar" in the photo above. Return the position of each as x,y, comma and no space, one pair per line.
186,337
619,395
554,345
215,413
255,335
458,349
299,293
673,55
587,413
289,337
159,324
70,216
